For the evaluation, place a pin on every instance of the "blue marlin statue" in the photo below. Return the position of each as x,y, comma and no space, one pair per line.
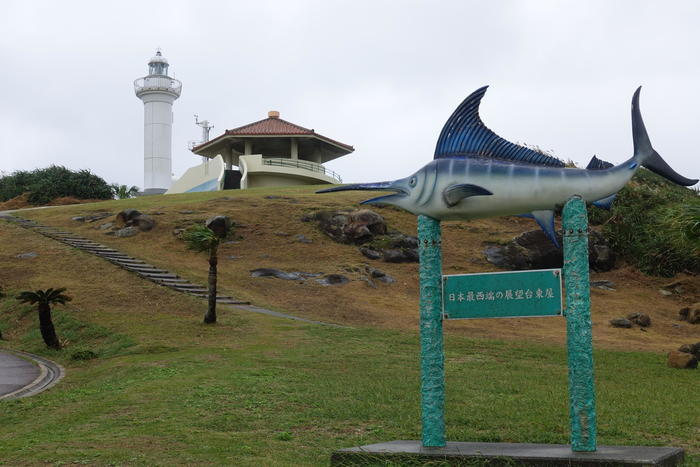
476,174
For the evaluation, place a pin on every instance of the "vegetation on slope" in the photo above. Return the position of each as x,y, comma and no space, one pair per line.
45,185
655,225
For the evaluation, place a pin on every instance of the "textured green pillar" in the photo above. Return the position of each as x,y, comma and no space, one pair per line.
578,326
431,348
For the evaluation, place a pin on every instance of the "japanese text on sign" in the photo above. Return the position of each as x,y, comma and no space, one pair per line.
508,294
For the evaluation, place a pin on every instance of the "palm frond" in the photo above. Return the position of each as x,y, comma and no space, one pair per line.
200,238
47,296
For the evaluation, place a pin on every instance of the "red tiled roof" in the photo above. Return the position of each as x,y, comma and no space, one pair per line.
270,126
275,126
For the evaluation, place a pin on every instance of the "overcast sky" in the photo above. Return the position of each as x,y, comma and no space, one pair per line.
382,76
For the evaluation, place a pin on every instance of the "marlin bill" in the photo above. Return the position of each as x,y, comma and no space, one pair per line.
476,174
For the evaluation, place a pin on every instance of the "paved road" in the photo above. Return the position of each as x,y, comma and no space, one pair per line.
15,373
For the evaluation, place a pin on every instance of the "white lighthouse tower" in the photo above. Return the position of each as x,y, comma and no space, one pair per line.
158,91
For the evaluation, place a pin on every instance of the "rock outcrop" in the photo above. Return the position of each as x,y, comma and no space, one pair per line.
533,250
369,230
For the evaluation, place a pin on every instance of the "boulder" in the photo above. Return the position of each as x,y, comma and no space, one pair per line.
691,313
533,250
353,227
97,216
269,272
30,254
370,253
129,231
125,217
105,226
620,323
604,285
677,359
301,238
695,350
400,255
333,279
144,222
641,319
220,225
380,275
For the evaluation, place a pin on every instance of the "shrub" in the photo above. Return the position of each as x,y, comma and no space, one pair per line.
53,182
654,224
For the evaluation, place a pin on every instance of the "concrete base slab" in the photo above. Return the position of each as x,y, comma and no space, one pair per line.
493,454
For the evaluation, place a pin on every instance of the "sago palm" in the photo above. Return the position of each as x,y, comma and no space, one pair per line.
202,238
44,299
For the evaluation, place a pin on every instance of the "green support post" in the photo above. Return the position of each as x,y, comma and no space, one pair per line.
578,326
431,342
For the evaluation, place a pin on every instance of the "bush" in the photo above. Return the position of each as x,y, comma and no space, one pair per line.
654,224
54,182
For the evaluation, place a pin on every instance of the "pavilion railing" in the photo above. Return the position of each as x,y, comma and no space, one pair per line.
302,164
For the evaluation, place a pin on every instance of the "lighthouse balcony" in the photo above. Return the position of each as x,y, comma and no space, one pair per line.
158,84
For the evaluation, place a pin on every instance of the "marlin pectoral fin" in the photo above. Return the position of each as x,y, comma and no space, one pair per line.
545,219
605,203
453,194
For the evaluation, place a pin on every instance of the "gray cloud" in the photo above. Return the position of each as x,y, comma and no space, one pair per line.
381,75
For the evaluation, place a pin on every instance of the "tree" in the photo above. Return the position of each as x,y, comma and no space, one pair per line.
44,299
206,238
123,191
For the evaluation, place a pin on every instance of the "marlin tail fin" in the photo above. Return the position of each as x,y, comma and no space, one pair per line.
645,154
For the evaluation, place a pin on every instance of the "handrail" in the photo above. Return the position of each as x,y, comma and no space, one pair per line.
302,164
158,83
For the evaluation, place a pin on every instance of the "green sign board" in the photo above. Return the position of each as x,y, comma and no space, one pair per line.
510,294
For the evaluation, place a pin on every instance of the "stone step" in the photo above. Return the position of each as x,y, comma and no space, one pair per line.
111,254
152,275
171,281
125,261
226,301
121,262
147,269
99,249
189,289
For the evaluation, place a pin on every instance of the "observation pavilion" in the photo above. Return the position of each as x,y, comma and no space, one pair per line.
273,152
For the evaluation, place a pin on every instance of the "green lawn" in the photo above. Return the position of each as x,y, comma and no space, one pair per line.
267,391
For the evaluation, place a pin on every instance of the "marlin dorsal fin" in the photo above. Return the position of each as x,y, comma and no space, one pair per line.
453,194
465,135
598,164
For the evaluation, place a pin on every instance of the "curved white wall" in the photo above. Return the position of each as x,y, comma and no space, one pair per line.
208,176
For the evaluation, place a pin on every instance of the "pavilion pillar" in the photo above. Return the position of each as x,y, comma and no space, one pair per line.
248,148
228,158
294,150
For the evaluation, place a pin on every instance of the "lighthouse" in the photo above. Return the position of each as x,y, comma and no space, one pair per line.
158,91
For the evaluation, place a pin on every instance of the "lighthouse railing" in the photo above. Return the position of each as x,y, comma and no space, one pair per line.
158,83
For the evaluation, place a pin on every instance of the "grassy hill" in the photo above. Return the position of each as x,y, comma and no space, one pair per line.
257,390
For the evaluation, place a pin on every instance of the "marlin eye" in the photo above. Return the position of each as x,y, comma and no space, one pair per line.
412,181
